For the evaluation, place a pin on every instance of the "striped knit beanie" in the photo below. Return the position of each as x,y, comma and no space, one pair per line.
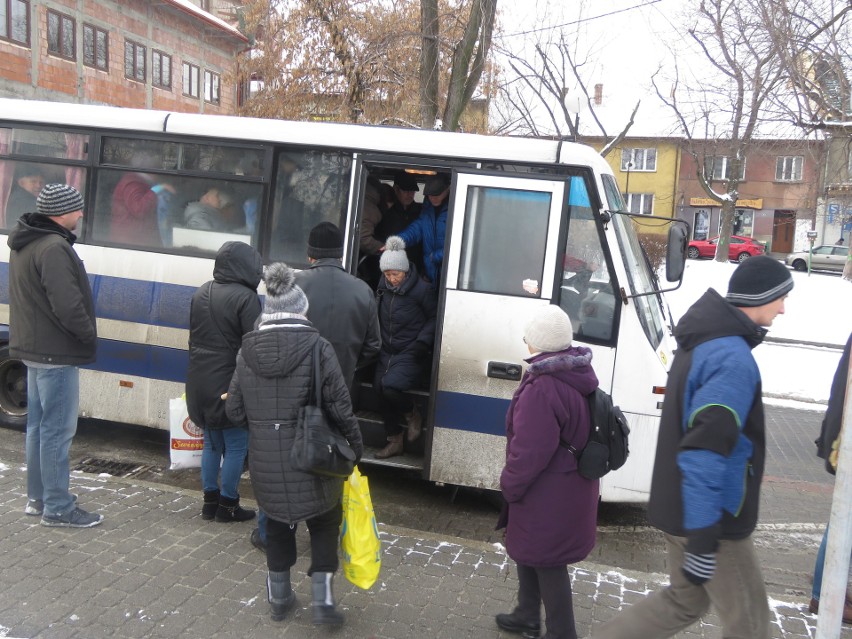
59,199
758,281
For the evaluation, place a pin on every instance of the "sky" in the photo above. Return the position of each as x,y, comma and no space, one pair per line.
817,310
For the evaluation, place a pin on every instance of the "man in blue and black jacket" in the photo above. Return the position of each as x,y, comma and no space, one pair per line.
705,489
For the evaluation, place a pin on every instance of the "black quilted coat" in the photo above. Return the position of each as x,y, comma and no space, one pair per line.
270,384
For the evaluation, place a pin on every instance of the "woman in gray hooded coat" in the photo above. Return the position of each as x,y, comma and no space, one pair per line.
271,383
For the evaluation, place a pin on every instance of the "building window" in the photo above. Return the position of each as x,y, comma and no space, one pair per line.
95,47
789,168
721,169
639,159
60,35
211,87
134,61
161,69
640,203
191,76
15,21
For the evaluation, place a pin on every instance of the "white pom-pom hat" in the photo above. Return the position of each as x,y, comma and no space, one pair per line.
394,257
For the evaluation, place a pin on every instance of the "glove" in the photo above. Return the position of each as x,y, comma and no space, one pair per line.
699,569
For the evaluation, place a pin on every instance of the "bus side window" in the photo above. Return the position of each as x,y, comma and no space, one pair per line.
586,292
310,187
505,235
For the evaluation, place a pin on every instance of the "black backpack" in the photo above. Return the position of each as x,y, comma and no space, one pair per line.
607,447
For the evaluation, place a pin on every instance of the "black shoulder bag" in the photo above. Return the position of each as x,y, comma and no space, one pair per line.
318,448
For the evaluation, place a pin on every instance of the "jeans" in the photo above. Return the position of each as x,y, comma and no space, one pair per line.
53,401
736,591
227,447
323,530
261,524
818,566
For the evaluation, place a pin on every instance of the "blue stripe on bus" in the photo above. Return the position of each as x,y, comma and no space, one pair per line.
473,413
141,360
119,298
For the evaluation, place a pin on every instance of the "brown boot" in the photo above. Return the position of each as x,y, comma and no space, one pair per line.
393,448
415,423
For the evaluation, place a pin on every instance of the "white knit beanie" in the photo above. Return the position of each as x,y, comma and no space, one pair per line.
549,330
394,257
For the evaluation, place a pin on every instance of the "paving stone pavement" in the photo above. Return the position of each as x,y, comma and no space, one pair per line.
154,568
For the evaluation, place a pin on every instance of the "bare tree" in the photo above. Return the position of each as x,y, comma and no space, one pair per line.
729,100
367,60
534,94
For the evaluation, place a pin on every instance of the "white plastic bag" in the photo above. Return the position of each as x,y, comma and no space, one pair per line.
187,439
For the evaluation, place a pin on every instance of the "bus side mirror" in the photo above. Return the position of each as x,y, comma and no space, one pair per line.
676,251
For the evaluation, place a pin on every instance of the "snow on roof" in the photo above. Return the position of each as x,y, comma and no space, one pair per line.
188,7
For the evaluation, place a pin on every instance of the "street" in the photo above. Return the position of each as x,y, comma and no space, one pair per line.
444,572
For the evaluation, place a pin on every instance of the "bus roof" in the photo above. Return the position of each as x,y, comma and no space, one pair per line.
368,138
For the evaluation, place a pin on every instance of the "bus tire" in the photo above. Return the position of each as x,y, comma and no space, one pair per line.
13,391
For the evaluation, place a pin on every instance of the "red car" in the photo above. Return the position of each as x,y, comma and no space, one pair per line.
740,248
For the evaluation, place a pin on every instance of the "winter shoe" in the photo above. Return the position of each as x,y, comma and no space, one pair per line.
77,518
813,608
393,448
323,605
230,510
211,504
280,594
414,422
256,540
510,622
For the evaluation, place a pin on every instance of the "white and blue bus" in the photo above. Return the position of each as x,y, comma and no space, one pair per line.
531,222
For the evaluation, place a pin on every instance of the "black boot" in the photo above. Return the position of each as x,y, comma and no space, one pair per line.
324,612
279,593
230,510
211,504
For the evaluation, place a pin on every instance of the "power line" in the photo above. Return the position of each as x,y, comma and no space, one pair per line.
581,20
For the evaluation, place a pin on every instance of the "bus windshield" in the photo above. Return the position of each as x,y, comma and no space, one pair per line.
638,269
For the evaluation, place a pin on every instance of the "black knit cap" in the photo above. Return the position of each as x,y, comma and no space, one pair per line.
59,199
325,240
758,281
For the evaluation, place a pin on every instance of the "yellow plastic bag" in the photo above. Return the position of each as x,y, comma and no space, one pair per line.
359,535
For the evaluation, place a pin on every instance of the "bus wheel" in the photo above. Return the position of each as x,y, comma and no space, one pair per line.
13,391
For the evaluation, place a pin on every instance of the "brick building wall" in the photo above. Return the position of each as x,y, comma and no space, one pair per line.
174,34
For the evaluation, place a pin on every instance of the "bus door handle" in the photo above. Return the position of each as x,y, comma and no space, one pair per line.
503,370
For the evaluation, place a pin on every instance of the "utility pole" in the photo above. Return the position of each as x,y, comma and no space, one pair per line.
836,570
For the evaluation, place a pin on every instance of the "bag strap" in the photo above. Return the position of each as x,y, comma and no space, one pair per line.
590,402
210,310
315,364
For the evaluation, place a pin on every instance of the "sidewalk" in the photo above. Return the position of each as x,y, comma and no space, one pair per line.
154,568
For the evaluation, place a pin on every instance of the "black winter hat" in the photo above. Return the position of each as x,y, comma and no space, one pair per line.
405,181
325,240
436,185
758,281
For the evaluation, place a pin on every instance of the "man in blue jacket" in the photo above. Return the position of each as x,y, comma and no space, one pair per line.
430,228
705,488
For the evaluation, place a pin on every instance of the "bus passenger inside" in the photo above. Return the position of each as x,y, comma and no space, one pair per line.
29,181
403,210
430,228
216,210
407,308
135,203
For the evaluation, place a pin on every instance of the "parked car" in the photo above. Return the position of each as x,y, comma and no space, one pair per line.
827,257
741,248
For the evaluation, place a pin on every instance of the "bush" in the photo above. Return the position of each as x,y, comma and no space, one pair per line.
655,245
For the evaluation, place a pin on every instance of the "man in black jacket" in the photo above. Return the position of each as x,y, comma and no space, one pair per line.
52,330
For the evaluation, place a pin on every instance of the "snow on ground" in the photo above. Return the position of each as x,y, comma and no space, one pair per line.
818,310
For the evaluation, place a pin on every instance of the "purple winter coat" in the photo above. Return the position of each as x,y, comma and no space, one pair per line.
552,510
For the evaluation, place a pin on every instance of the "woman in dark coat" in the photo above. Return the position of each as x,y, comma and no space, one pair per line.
551,511
221,312
407,311
271,383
